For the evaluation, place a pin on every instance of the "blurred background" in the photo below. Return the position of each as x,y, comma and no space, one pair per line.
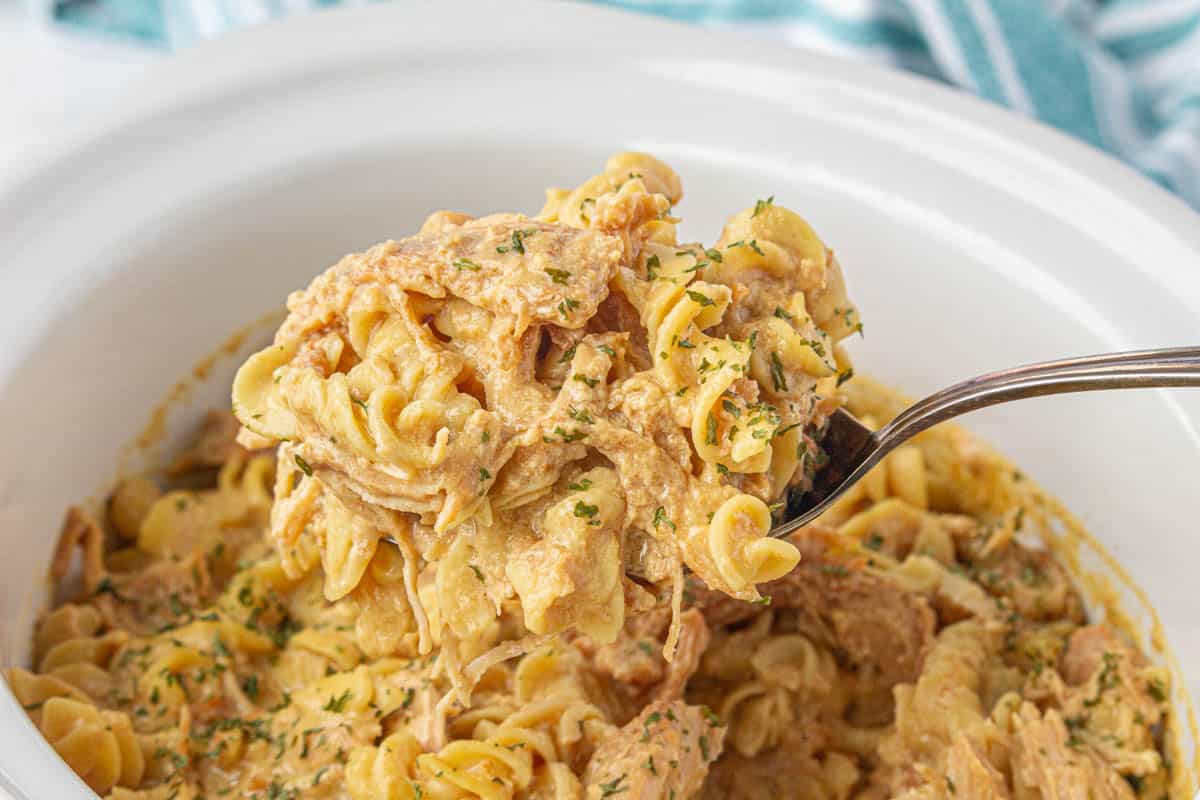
1122,75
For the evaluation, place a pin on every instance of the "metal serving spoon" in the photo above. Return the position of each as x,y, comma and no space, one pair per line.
853,448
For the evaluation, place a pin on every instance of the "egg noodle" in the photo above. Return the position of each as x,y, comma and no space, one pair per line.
491,523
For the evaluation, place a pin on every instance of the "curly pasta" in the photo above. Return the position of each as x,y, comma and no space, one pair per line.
506,750
250,682
936,523
447,391
98,745
412,575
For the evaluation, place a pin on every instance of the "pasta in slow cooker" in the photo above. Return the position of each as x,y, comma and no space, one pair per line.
495,527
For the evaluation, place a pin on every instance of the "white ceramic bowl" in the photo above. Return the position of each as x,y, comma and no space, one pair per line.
972,240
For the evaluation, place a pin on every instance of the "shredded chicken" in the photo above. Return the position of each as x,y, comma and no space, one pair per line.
663,752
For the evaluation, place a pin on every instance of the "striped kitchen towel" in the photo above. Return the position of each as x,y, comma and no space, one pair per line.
1123,75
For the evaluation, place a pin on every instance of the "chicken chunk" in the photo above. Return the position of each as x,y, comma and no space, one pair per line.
663,753
843,603
1045,764
508,264
635,663
1113,699
1085,651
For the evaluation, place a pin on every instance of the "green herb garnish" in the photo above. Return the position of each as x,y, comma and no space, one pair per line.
660,516
778,379
338,704
697,297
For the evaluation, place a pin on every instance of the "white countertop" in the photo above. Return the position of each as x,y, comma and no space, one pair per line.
53,80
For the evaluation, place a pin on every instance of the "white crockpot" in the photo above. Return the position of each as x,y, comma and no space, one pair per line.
972,240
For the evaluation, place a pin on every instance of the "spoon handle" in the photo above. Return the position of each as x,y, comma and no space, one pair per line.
1167,367
1140,369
